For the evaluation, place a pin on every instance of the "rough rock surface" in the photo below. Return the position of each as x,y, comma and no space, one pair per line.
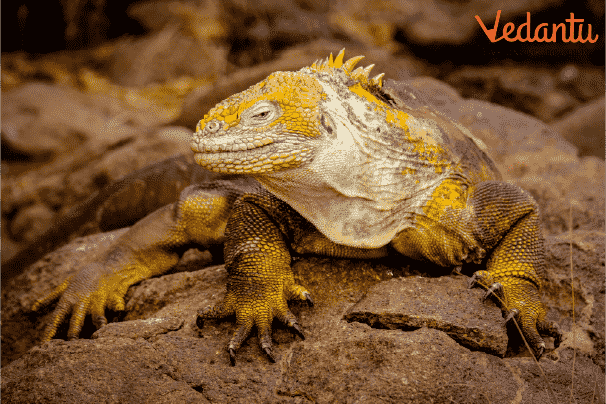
157,354
537,91
440,303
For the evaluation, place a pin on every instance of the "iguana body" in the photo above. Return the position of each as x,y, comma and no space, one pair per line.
349,167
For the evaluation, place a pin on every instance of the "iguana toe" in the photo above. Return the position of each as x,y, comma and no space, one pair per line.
232,356
552,329
79,311
55,294
477,278
496,289
236,341
539,345
308,299
528,324
224,309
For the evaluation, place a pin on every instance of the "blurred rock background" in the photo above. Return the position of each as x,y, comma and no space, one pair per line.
94,89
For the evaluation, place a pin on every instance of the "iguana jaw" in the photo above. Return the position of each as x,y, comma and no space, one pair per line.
253,154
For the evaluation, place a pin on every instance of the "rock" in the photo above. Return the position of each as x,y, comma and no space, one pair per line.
555,386
135,329
423,366
357,364
30,222
157,342
432,21
43,121
54,188
526,89
587,259
365,365
442,303
122,370
584,128
584,83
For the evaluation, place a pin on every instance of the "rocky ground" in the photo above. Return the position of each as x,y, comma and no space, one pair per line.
393,331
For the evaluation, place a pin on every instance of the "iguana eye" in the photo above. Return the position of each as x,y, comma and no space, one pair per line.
261,114
212,126
264,114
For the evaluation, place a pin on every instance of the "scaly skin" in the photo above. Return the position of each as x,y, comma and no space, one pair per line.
348,167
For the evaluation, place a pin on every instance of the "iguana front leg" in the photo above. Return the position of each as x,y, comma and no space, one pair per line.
258,240
466,222
151,247
507,218
260,281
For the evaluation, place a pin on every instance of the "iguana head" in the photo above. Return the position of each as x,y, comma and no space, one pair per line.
281,122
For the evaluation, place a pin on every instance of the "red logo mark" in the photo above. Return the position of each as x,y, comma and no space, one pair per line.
541,32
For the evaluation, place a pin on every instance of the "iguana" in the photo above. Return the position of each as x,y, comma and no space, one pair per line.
337,164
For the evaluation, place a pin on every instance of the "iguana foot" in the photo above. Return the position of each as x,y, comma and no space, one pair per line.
519,299
91,291
256,305
544,327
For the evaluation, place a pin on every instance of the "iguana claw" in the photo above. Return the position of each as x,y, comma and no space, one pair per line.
258,309
99,320
473,281
232,356
510,315
269,353
539,349
493,289
298,329
308,299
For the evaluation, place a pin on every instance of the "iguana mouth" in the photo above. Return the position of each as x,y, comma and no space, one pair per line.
248,157
229,144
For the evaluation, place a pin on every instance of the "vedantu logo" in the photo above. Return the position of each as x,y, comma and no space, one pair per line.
541,32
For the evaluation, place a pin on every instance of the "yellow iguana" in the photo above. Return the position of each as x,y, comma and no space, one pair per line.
337,164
